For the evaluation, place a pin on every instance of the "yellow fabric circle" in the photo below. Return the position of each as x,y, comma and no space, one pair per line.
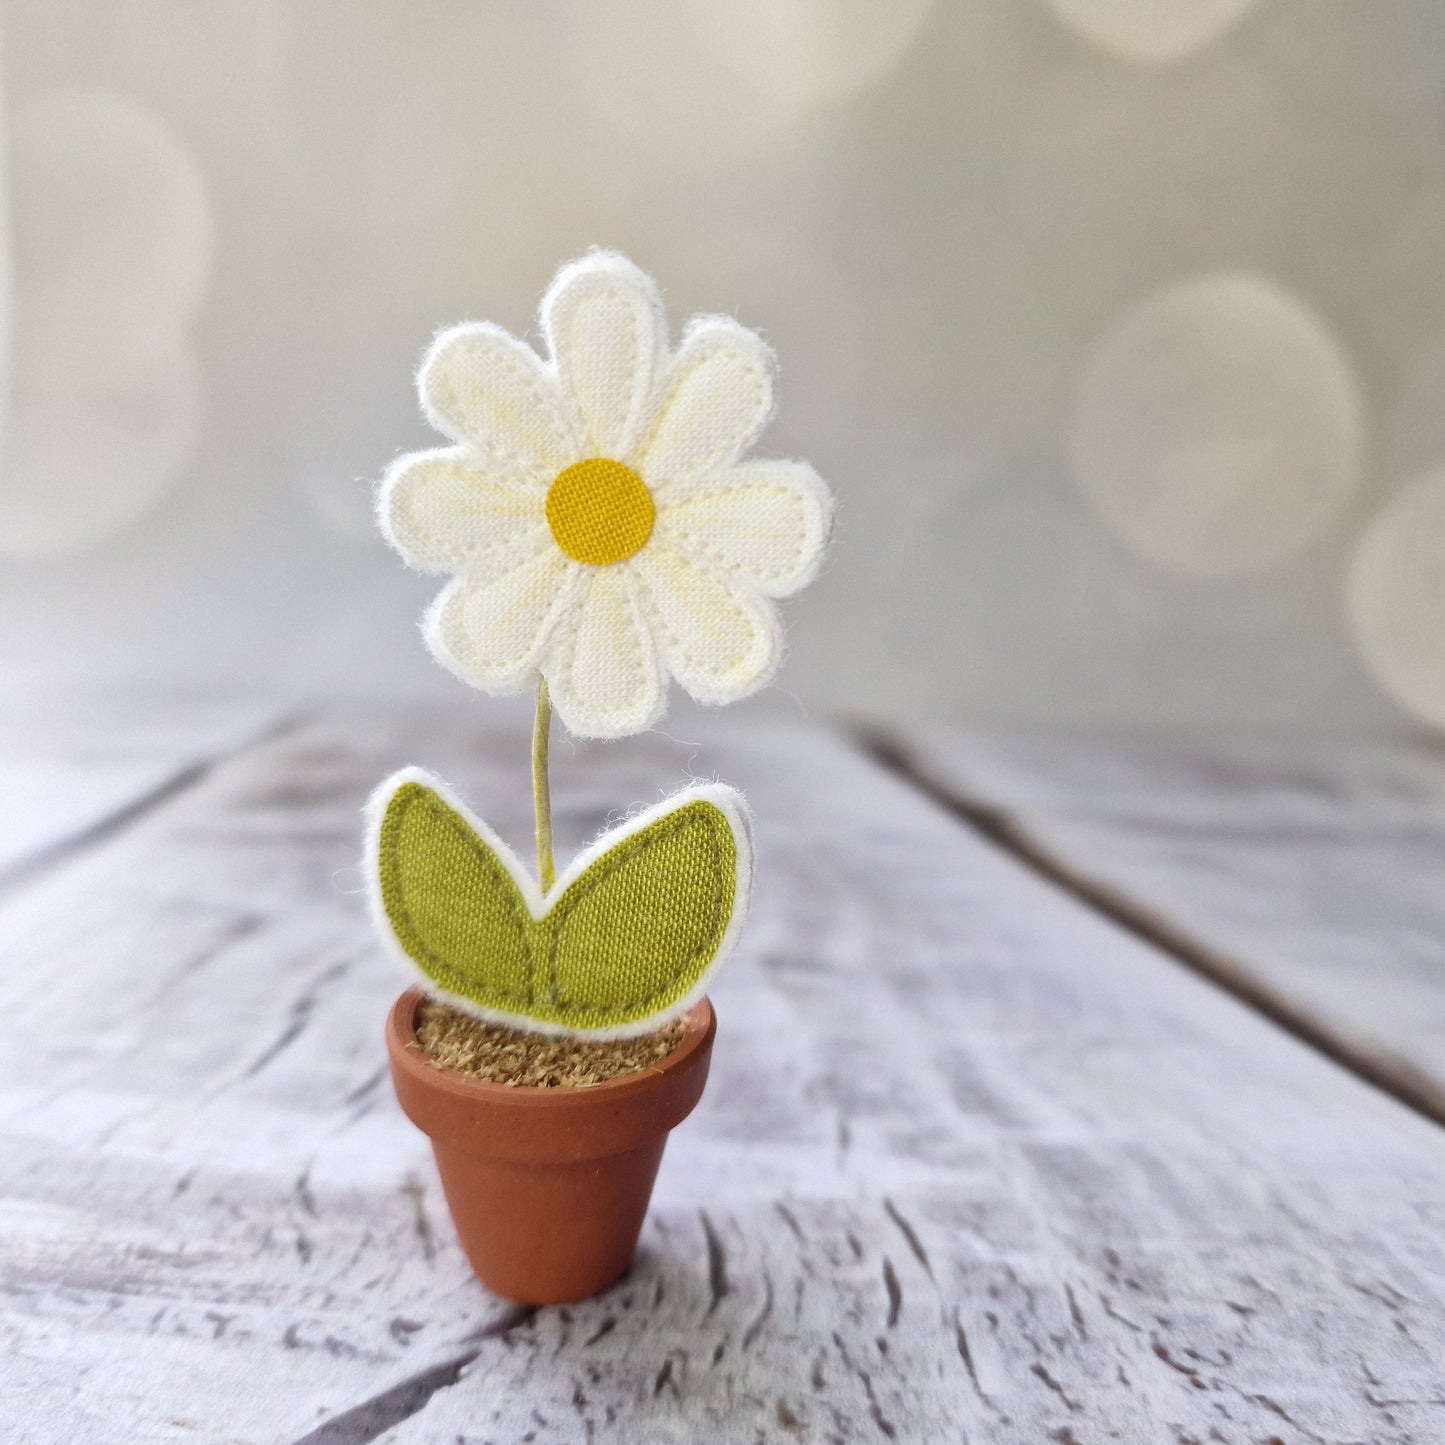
600,511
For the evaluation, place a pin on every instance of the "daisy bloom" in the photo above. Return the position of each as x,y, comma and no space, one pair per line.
602,530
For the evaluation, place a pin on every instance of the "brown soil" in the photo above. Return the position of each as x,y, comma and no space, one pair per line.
454,1040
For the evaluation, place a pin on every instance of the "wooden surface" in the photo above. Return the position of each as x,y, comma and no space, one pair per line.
71,770
1308,876
975,1163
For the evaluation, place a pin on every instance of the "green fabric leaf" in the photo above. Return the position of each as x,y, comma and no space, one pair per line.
628,939
452,903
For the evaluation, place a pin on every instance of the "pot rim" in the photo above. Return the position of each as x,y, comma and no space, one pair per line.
409,1057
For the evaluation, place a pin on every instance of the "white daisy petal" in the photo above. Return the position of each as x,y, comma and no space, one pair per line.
765,523
603,672
720,641
535,591
717,398
444,514
494,632
605,326
481,386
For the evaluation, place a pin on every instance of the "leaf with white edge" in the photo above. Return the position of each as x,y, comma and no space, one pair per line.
635,932
627,939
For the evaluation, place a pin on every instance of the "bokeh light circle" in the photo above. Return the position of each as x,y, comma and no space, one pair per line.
381,118
1218,427
111,261
1153,31
805,52
112,239
81,466
1396,597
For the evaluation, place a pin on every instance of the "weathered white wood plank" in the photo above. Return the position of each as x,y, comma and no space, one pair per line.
1305,875
69,768
973,1164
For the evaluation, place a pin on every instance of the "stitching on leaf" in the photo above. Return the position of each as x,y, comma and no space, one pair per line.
407,797
690,815
540,938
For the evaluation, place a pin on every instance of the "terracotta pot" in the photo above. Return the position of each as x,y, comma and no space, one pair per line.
547,1187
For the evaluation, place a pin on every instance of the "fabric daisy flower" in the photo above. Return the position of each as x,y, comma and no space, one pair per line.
602,529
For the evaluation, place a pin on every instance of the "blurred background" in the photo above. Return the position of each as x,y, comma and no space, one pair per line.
1118,327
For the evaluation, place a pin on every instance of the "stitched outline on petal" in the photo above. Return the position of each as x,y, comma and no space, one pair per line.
521,673
607,275
398,494
624,444
538,381
759,612
705,338
506,382
559,667
696,544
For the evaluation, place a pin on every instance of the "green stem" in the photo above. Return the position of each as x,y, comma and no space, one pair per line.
541,788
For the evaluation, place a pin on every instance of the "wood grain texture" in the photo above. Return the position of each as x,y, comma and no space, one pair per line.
70,770
1305,875
973,1165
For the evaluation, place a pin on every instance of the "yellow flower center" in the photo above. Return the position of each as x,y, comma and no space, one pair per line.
599,511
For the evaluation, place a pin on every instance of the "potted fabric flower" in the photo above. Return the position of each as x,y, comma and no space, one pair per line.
603,535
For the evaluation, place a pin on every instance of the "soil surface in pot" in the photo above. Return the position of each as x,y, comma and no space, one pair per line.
452,1039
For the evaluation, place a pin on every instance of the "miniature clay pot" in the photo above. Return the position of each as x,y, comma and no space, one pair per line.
547,1187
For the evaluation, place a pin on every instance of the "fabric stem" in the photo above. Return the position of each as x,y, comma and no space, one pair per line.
542,788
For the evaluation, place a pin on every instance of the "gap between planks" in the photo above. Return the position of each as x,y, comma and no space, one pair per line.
1394,1076
390,1407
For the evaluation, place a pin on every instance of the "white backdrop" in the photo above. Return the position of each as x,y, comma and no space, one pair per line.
1119,328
